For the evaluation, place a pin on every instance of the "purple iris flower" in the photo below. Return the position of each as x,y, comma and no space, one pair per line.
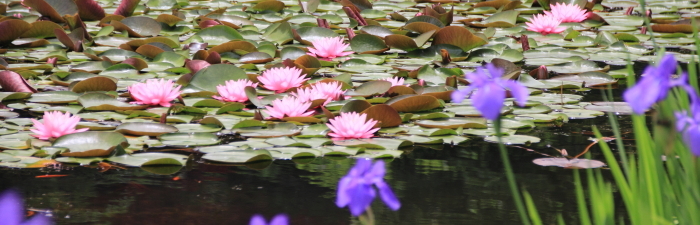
279,219
355,189
12,211
489,91
689,126
654,86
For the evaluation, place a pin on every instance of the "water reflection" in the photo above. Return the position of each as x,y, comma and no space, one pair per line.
453,185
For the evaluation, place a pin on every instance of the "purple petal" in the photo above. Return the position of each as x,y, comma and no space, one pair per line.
388,196
478,77
361,166
280,219
11,207
682,120
644,94
496,72
343,198
692,139
488,99
667,66
257,220
362,196
519,92
377,171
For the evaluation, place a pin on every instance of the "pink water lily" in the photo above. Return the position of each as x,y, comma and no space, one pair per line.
330,91
545,24
288,106
154,92
352,125
56,124
281,79
329,48
234,91
567,13
395,81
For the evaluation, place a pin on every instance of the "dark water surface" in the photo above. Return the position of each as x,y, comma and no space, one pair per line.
436,185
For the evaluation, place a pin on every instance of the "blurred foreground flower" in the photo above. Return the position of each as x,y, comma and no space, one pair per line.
545,24
489,92
329,48
154,92
279,219
689,126
330,91
234,91
281,79
355,189
567,13
654,85
56,124
12,211
288,106
352,125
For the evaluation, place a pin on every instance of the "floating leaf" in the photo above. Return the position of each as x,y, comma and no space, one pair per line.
413,103
96,83
452,123
101,102
208,78
458,36
150,159
246,156
569,163
367,44
145,129
189,139
12,29
138,26
385,114
220,34
13,82
91,143
514,139
126,7
54,9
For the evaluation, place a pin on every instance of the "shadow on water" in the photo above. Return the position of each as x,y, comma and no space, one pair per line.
462,184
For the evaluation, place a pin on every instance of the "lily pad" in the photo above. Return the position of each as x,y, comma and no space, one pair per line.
91,143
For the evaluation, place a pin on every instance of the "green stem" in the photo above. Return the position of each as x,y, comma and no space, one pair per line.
509,174
368,217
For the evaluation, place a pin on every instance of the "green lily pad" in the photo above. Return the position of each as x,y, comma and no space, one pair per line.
245,156
150,159
91,143
189,139
514,139
148,129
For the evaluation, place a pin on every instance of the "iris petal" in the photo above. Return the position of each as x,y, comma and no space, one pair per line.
488,99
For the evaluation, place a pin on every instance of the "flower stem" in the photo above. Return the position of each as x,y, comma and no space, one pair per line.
509,174
368,217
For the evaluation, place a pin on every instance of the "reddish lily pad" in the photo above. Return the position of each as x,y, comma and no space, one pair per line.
458,36
414,103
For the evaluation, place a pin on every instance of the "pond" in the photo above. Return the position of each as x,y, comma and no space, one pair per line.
436,184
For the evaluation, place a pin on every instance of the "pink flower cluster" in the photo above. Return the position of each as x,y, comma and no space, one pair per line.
560,13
